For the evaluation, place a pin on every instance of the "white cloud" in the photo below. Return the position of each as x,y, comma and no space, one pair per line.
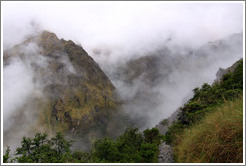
17,87
125,24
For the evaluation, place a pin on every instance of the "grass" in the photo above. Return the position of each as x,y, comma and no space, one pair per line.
218,138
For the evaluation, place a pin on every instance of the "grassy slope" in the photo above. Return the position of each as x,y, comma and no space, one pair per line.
210,125
218,138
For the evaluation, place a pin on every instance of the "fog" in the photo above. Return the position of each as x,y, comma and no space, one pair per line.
169,75
122,24
115,33
19,74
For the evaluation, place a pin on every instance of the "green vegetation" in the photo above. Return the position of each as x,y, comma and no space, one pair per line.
6,156
132,146
206,100
164,122
218,138
41,150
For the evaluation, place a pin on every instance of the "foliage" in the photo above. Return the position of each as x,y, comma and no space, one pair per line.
42,150
164,122
149,152
175,129
131,146
6,156
152,136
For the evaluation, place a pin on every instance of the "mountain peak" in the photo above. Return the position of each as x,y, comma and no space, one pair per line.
46,35
77,93
49,41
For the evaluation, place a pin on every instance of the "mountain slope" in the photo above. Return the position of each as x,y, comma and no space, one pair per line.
217,139
209,127
69,92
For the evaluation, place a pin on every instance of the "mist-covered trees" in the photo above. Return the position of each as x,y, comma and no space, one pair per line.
40,149
130,147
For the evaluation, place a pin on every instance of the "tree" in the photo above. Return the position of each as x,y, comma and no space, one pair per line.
41,150
105,150
152,136
6,156
60,144
149,152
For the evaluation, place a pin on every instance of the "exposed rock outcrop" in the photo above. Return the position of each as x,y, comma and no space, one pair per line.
221,72
165,153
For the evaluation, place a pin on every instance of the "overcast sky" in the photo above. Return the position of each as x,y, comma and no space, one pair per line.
122,24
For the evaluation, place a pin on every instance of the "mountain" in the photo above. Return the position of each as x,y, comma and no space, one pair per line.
69,92
232,43
156,82
155,66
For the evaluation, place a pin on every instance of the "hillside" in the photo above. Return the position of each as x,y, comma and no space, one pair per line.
217,139
209,127
68,90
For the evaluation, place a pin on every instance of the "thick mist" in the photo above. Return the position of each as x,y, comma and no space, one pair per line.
185,45
17,81
168,75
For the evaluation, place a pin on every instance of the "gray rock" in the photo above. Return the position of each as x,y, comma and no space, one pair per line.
165,153
163,127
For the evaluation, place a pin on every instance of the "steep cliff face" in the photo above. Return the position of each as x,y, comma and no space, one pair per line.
74,94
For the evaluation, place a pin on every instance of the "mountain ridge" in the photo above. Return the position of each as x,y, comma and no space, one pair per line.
75,95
